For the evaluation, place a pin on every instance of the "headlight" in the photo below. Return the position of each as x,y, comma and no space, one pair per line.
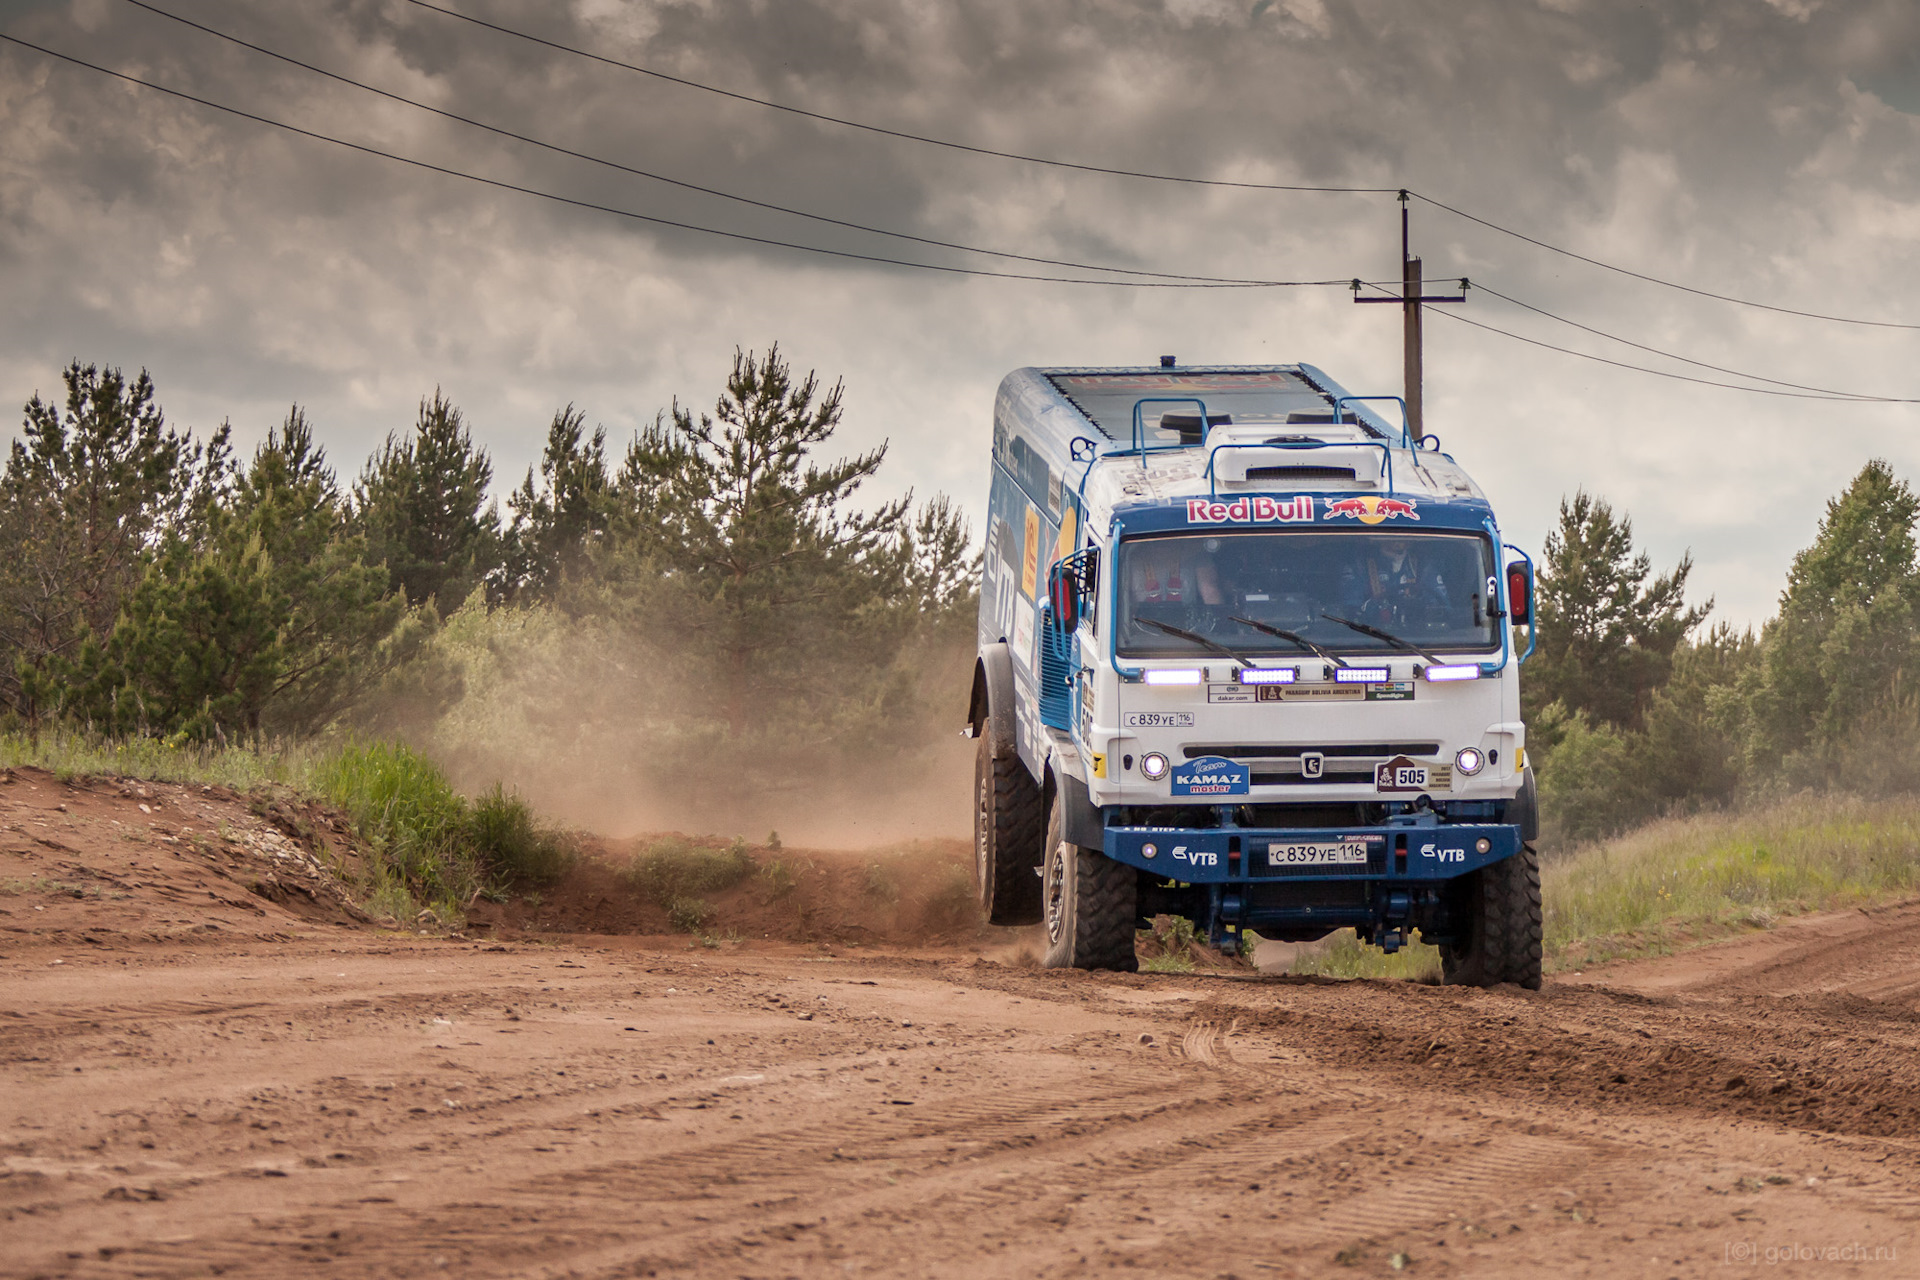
1469,760
1154,766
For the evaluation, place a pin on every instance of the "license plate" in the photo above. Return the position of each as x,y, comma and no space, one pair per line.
1157,720
1318,853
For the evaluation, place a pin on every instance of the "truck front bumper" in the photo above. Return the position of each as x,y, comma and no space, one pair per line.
1390,879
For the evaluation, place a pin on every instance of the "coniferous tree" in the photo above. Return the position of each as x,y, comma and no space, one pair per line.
421,504
1607,633
271,620
87,494
741,553
555,527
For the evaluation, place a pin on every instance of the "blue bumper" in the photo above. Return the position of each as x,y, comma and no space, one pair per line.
1410,851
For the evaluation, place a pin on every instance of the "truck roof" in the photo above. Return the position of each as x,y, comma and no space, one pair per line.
1132,439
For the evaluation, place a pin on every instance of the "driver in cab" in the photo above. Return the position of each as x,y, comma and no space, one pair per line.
1392,583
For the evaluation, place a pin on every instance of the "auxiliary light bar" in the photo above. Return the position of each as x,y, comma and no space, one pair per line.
1455,671
1361,675
1159,676
1268,675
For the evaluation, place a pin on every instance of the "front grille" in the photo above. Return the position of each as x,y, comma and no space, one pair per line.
1369,750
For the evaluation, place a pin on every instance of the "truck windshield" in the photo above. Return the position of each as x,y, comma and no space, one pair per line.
1429,589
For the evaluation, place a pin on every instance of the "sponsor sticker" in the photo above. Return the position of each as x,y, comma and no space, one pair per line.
1251,510
1368,509
1157,720
1236,692
1210,776
1397,691
1030,556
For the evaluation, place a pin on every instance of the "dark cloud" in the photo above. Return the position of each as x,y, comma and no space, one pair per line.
1766,150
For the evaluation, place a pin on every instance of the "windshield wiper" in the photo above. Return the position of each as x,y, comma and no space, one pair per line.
1389,637
1196,638
1302,641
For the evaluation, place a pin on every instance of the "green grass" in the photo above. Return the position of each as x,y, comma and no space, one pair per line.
1345,956
1688,880
68,754
673,869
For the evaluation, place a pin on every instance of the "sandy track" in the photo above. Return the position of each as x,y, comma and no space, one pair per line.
303,1098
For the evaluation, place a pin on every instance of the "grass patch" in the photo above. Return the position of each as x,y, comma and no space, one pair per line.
676,870
1684,881
70,754
1344,956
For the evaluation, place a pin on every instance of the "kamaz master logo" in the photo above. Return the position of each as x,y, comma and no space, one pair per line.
1249,511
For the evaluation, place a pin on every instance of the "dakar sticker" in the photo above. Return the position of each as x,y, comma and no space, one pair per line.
1367,509
1251,511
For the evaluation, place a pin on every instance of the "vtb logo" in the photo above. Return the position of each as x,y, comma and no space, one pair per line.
1371,510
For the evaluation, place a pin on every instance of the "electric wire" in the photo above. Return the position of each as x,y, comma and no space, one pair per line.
1699,364
644,217
676,182
882,129
1679,377
1668,284
1146,175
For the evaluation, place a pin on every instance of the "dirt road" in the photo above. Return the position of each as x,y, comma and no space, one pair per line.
279,1095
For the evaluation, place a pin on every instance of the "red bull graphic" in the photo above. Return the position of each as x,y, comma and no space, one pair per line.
1250,511
1369,509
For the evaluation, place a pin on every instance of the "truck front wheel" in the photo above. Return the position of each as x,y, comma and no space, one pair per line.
1091,904
1499,916
1007,815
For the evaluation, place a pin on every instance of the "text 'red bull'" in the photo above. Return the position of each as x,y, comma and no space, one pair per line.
1249,511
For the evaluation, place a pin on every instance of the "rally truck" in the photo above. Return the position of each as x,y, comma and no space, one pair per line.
1248,654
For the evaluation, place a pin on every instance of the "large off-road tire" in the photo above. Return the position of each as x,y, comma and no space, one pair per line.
1501,909
1008,811
1091,904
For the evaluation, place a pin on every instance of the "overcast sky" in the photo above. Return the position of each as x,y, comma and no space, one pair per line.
1766,149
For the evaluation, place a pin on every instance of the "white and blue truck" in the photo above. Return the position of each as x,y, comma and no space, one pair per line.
1249,654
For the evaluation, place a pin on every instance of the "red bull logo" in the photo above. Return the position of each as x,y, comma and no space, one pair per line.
1250,511
1371,510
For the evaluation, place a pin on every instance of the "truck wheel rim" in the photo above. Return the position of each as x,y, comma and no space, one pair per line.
1056,891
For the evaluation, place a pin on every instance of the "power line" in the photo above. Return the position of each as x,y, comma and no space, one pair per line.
689,186
1699,364
1140,173
1679,377
1668,284
643,217
883,130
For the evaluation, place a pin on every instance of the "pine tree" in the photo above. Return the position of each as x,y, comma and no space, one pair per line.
87,494
421,503
1607,634
742,554
271,620
556,527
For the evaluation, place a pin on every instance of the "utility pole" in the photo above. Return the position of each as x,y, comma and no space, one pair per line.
1410,299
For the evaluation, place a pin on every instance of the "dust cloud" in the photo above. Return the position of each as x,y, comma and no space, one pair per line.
603,735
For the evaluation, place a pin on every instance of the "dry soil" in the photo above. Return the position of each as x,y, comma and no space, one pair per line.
209,1066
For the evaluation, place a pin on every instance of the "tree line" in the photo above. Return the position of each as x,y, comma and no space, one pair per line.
154,584
1636,708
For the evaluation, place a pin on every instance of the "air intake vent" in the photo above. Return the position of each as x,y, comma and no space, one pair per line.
1299,473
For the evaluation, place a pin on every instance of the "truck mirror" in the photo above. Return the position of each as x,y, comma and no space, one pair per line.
1063,593
1520,595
